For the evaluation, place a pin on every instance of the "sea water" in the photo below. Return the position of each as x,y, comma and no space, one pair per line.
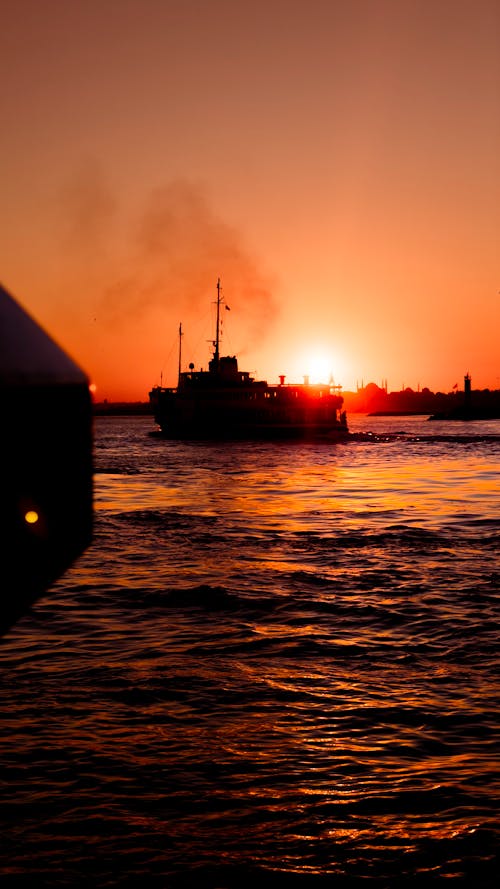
276,665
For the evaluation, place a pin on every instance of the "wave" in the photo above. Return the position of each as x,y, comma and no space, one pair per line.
411,437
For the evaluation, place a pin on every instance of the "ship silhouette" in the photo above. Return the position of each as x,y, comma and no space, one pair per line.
225,402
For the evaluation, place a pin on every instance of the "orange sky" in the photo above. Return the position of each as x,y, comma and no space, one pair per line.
337,164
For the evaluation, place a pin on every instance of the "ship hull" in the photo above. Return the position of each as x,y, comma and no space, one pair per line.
265,432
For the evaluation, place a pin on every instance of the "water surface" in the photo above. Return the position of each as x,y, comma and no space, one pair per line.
275,665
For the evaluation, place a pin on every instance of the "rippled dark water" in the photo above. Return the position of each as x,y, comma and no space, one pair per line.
276,666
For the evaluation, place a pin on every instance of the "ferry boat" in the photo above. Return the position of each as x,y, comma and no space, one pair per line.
224,402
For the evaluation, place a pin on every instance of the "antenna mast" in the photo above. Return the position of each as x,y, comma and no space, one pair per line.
217,332
180,353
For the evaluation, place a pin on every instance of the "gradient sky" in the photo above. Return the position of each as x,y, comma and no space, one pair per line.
337,164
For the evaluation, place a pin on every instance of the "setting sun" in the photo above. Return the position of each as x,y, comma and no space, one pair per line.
318,366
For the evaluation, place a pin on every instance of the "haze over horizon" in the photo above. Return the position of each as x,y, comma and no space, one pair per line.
335,164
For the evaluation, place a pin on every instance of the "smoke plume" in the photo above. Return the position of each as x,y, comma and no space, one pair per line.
179,249
132,276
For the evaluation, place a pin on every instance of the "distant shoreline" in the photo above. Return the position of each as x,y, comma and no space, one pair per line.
121,408
142,408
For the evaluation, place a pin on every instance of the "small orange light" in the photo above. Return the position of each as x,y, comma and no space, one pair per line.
31,517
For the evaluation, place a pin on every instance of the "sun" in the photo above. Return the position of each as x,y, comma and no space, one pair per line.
318,366
320,362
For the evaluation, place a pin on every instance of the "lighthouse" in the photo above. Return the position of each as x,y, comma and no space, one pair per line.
467,393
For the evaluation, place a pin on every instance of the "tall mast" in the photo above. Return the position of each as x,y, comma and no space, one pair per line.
180,352
217,332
